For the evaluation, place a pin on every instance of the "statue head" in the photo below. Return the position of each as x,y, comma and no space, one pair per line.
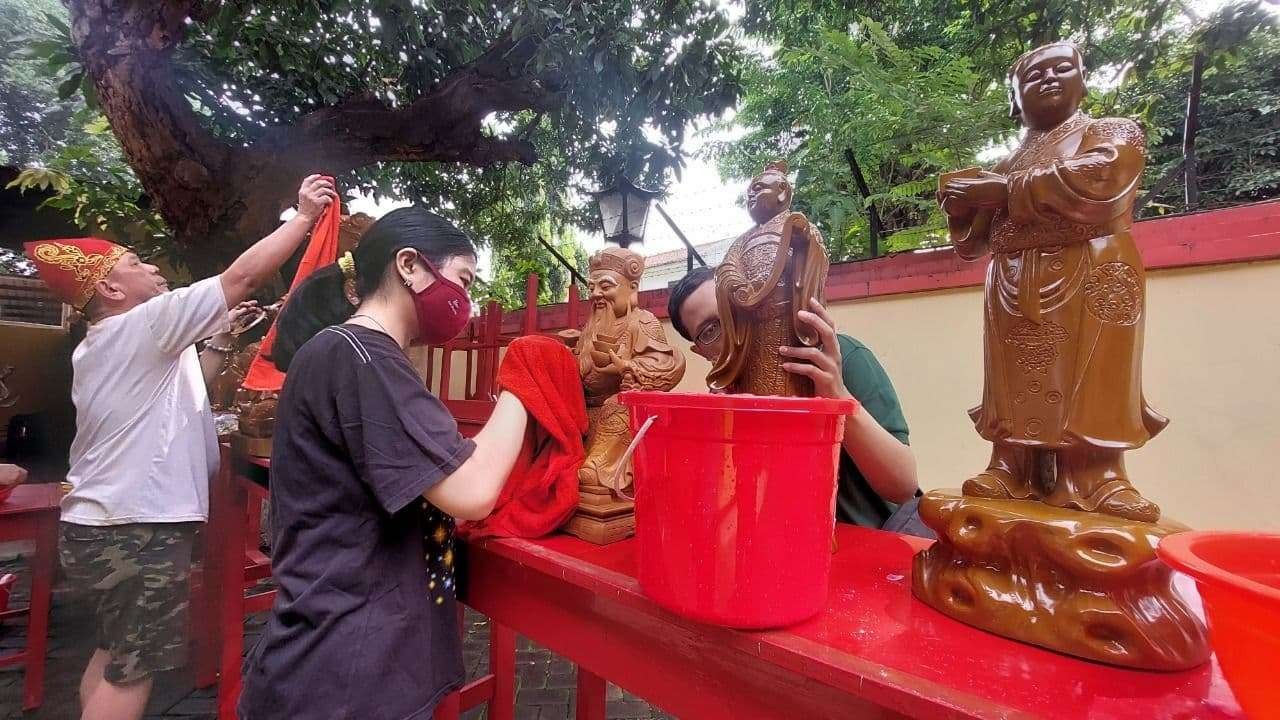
769,192
614,281
1046,85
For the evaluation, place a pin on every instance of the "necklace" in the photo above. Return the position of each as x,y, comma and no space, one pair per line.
374,320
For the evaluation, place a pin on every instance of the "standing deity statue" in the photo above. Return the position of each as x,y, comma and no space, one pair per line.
1065,297
769,274
1052,544
621,347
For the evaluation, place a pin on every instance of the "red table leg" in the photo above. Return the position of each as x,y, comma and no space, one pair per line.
231,598
38,619
502,663
591,694
206,607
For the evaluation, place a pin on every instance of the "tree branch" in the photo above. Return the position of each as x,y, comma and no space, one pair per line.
218,196
444,125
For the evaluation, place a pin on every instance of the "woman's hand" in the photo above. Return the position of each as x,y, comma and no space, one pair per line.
471,492
616,366
823,365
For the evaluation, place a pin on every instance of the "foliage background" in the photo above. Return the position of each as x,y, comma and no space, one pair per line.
911,87
915,87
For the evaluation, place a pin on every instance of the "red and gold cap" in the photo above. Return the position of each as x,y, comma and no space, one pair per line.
72,267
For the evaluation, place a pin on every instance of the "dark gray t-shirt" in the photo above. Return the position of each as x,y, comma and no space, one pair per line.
365,623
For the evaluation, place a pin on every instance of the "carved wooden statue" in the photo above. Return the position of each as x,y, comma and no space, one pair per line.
255,410
222,391
770,273
1051,544
621,347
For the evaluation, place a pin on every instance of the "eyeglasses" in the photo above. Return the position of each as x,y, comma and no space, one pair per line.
708,334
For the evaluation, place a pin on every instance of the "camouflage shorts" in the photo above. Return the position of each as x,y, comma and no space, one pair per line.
136,576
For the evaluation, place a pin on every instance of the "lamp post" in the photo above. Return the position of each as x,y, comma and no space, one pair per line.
624,210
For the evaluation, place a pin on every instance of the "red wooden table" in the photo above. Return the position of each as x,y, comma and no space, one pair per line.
232,564
874,652
31,513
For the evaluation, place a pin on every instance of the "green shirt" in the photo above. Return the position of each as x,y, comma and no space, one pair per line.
867,381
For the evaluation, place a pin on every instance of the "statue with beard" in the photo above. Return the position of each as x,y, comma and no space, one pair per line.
1052,544
621,347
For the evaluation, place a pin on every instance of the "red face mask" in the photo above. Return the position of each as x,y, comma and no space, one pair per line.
443,309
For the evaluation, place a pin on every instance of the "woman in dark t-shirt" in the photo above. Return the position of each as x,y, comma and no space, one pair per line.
368,471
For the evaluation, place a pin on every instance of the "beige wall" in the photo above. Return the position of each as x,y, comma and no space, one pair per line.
41,377
1212,366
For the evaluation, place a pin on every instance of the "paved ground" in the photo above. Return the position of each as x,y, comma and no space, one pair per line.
544,681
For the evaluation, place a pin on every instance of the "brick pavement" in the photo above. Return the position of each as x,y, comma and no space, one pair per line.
544,681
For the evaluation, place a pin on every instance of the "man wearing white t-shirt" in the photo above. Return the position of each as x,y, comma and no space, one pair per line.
145,446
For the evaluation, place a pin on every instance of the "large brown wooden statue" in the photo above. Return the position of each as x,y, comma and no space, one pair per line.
769,274
621,347
1052,544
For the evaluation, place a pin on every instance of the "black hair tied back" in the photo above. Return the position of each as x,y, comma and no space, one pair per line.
320,301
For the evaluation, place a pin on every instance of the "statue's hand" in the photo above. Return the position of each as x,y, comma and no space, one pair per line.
988,191
570,337
617,365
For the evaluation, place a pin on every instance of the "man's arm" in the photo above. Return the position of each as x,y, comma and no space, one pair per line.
256,265
888,464
215,352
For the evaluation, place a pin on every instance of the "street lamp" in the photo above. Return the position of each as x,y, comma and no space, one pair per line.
624,209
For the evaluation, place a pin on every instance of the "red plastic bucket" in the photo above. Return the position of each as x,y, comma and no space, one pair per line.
1238,574
735,503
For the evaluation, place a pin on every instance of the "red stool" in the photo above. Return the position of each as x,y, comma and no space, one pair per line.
31,513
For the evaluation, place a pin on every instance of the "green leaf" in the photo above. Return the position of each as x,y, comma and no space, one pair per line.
69,86
58,23
98,125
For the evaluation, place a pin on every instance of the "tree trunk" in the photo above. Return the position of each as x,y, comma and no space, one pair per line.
874,226
218,198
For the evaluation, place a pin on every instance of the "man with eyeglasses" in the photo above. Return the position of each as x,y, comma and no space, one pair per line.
877,479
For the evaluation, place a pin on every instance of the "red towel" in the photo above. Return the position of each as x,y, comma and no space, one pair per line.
321,250
542,490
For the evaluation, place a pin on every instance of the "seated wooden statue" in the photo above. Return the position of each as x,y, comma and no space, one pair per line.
256,410
622,347
222,391
769,274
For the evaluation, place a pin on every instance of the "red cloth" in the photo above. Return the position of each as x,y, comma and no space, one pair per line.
542,490
321,250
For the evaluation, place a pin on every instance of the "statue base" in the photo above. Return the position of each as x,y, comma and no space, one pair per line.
242,444
602,517
1084,584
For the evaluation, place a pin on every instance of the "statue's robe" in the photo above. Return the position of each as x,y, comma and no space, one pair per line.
768,275
655,365
1065,292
